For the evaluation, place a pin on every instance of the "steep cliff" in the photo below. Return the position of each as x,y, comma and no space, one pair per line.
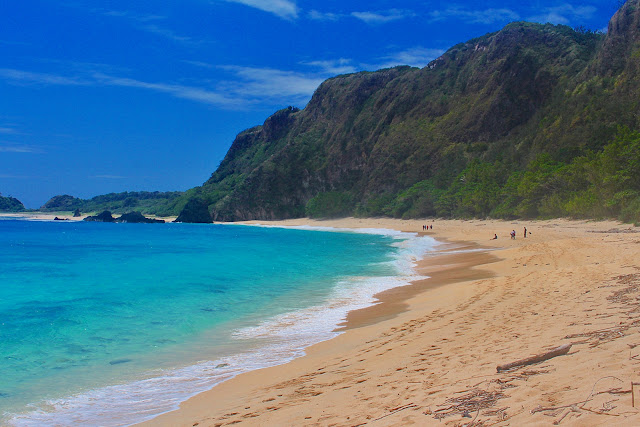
396,141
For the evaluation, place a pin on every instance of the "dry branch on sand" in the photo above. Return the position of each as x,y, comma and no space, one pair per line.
578,407
558,351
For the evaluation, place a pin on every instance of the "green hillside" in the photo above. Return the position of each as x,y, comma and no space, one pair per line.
10,204
531,121
146,202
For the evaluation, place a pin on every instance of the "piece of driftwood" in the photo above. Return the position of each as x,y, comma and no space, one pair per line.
558,351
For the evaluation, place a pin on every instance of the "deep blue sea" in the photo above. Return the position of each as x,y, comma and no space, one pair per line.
111,324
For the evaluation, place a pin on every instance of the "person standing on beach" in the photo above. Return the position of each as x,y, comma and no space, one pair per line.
525,232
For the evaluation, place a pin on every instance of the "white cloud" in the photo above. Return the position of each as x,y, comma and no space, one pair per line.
148,23
243,87
179,91
166,33
417,56
486,16
285,9
238,88
199,64
8,131
325,16
267,84
563,14
6,147
383,16
19,76
333,67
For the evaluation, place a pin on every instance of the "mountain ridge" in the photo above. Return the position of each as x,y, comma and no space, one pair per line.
534,120
359,130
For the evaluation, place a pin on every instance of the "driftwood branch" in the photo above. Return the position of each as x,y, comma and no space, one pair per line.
558,351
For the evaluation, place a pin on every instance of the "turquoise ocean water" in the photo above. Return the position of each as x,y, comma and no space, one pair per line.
110,324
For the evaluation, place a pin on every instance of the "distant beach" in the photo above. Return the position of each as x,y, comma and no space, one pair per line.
428,354
66,216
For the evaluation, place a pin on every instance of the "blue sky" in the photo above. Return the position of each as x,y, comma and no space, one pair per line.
109,96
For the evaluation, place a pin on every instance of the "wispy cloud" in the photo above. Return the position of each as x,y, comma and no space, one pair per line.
28,77
166,33
7,147
316,15
417,56
179,91
268,84
563,14
237,87
382,17
485,16
369,17
332,67
244,86
285,9
148,23
8,131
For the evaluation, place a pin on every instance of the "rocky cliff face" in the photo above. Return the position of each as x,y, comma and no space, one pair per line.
507,96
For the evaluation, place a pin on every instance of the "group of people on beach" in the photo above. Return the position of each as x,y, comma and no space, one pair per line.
427,227
512,234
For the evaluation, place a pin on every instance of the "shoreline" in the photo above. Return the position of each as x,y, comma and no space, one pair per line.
412,245
65,216
425,361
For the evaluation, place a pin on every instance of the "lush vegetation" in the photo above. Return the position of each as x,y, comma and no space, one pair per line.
602,184
150,203
331,204
10,204
531,121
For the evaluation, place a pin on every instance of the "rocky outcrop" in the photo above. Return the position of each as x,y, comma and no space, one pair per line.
138,218
101,217
195,211
131,217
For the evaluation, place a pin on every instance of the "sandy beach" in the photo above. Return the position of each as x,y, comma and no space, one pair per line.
427,355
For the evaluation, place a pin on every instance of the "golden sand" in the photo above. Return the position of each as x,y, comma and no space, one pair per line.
427,355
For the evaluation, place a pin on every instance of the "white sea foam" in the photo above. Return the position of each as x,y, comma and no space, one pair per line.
284,337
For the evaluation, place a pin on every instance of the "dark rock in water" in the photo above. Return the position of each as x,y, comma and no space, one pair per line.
102,217
196,211
119,361
60,219
76,213
137,217
222,365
